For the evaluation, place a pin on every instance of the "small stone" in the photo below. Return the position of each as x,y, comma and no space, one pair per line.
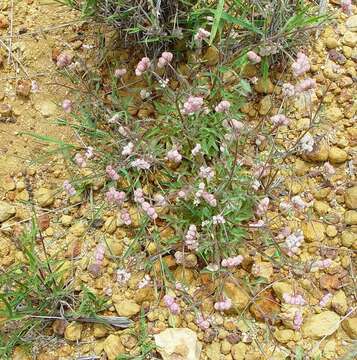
349,239
351,198
178,343
321,207
23,88
78,229
350,39
100,330
183,275
313,231
211,57
20,354
44,197
320,325
113,347
351,23
337,155
115,247
319,153
331,43
5,111
73,331
284,335
351,217
264,86
44,222
47,108
282,287
350,326
330,282
265,105
237,294
126,308
213,351
265,308
66,220
331,231
239,350
4,22
339,302
59,327
7,183
6,211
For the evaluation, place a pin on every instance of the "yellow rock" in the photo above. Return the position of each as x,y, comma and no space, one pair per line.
113,347
73,331
313,231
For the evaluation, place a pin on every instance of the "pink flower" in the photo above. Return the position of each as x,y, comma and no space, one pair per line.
321,264
70,190
253,57
302,65
288,90
196,150
139,196
206,172
34,86
191,238
223,106
298,320
298,202
89,152
325,299
293,242
262,207
346,7
80,161
218,219
140,164
258,224
209,198
142,66
294,299
64,59
67,105
280,120
202,323
233,124
115,197
225,304
305,85
112,174
232,261
118,73
202,34
170,302
192,105
174,156
144,282
125,217
123,276
166,58
329,169
159,200
128,149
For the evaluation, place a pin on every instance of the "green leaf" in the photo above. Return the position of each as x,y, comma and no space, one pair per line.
244,23
217,20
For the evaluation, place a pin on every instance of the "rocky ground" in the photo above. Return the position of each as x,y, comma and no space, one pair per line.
261,325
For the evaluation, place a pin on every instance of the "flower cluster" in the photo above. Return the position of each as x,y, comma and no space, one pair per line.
112,174
305,85
166,58
325,299
280,120
206,172
262,207
202,193
346,7
293,242
145,281
294,299
232,261
202,323
128,149
172,305
202,34
253,57
298,320
64,59
67,105
191,238
70,190
125,217
218,219
140,164
225,304
307,143
123,276
223,106
142,66
302,65
196,150
80,160
321,264
118,73
139,199
174,156
115,197
94,268
192,105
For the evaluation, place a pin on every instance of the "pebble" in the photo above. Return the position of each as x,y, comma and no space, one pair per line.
66,220
284,335
331,43
313,231
351,198
44,197
113,347
78,229
320,325
239,350
319,153
7,183
339,302
349,238
350,326
351,23
100,330
351,217
264,86
126,308
73,331
45,107
350,39
337,155
211,56
238,295
6,211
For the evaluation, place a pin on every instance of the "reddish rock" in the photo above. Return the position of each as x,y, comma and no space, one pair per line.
266,307
23,88
329,282
43,222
